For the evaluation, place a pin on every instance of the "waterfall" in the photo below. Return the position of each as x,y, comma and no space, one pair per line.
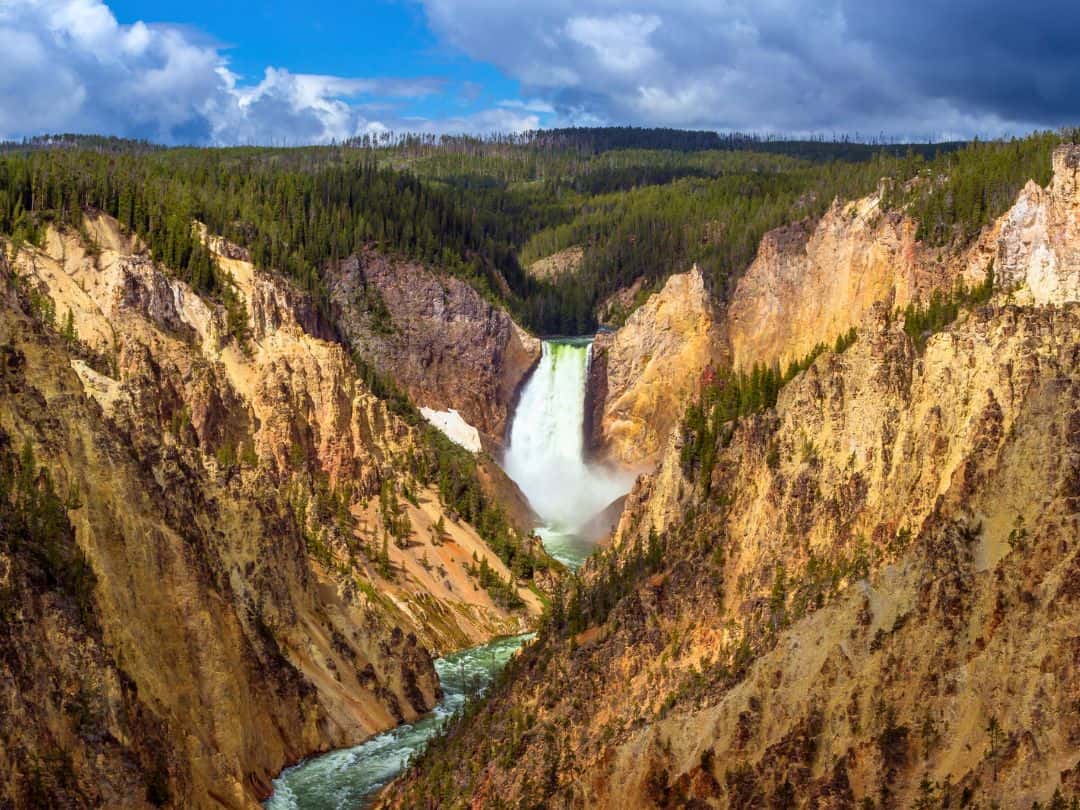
546,456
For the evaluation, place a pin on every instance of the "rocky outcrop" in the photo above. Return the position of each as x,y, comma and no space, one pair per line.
641,376
612,312
558,264
811,283
435,336
233,498
1038,245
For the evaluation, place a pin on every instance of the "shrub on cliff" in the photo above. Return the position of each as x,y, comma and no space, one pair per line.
922,321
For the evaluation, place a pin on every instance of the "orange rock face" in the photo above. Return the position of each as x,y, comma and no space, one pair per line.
642,375
229,506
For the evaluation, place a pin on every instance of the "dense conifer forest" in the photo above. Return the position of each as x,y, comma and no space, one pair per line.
640,204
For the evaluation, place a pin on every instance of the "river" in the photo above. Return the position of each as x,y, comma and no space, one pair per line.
350,777
546,458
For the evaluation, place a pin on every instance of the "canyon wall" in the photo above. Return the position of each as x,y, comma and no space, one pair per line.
1038,246
437,336
866,597
229,482
811,282
642,375
859,598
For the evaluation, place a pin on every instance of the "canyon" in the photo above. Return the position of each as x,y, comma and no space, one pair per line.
867,594
546,458
235,480
802,534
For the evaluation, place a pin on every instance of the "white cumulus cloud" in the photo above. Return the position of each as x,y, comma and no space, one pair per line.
619,42
70,66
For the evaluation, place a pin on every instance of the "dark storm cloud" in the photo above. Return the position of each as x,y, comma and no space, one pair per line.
1018,60
915,69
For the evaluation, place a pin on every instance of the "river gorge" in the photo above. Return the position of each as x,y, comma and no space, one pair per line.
546,459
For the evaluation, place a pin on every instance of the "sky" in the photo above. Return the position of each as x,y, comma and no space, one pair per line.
286,73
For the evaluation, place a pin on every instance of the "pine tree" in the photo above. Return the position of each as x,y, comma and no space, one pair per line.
68,330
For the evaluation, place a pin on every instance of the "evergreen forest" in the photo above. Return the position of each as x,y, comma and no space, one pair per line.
638,204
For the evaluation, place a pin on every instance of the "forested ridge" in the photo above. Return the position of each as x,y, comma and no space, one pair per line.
648,203
296,211
596,140
641,204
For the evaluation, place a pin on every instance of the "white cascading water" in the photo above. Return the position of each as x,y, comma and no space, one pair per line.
546,457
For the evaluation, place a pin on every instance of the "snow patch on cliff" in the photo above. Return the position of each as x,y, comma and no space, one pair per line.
455,427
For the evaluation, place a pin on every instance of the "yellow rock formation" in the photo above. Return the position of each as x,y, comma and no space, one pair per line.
642,375
245,610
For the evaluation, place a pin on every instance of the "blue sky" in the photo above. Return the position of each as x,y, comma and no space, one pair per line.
375,38
314,71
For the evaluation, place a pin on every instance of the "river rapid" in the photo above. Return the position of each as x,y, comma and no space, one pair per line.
351,777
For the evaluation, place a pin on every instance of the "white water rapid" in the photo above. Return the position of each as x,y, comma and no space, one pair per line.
546,457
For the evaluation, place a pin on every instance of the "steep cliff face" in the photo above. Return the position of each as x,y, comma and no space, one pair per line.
894,533
811,282
1039,241
233,504
641,376
867,597
441,341
855,254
